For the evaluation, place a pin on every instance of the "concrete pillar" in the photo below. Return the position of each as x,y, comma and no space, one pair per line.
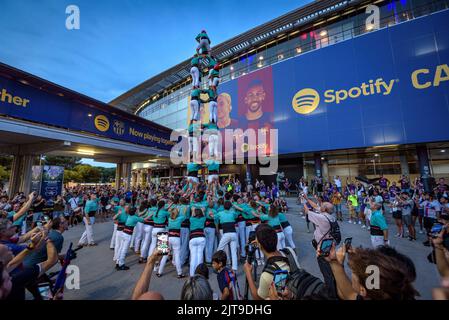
127,175
26,172
404,164
318,165
14,181
148,176
424,167
21,170
325,170
118,175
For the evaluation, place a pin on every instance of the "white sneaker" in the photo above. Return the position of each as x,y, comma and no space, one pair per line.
360,222
420,231
304,217
397,235
368,228
350,221
363,227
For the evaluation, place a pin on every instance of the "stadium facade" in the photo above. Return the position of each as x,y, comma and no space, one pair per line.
350,94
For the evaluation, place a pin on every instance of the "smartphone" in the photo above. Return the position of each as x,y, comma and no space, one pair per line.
325,248
436,229
45,292
39,224
348,242
162,242
280,280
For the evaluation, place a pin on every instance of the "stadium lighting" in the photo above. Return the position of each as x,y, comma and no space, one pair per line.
232,68
443,150
86,152
261,58
298,50
323,33
369,27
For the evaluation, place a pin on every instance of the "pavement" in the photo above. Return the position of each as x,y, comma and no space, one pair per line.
100,281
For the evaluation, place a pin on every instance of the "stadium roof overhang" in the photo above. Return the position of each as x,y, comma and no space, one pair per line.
132,99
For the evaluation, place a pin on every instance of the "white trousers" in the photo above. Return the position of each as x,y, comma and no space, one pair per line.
196,246
124,247
195,73
193,145
288,233
145,245
241,228
210,243
88,235
281,240
154,239
377,241
137,235
114,235
194,110
231,238
185,232
213,144
214,82
213,111
117,247
204,43
175,245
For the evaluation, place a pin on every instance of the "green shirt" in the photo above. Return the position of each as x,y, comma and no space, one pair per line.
226,216
175,224
123,216
161,216
91,205
194,61
193,167
197,223
272,221
213,165
131,221
378,220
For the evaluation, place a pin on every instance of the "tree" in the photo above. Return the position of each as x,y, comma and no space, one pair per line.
66,162
4,173
72,176
107,174
88,173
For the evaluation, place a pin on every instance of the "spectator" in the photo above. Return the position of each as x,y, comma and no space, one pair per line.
227,279
395,282
266,240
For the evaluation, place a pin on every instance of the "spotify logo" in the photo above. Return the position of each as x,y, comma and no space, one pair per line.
101,123
305,101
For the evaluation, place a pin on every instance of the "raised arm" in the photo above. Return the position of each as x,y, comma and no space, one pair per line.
143,283
26,206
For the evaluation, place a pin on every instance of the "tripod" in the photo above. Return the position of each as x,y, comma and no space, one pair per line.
251,258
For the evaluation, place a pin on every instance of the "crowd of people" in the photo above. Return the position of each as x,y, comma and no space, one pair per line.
229,228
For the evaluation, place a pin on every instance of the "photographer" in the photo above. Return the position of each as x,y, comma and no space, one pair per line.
324,222
266,240
395,282
58,226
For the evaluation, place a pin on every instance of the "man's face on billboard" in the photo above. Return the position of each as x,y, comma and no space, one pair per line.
254,98
224,108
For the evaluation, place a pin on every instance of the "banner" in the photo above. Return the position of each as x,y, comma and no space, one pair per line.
52,181
36,178
385,87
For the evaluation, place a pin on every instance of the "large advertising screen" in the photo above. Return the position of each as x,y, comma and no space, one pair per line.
387,87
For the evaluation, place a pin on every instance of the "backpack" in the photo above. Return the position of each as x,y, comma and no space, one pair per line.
299,282
334,231
233,286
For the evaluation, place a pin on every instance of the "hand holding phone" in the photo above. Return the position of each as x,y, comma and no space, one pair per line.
325,248
280,280
162,243
348,244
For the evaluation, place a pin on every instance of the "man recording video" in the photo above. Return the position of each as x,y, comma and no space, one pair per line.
266,240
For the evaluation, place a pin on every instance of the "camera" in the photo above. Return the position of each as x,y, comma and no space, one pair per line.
251,248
